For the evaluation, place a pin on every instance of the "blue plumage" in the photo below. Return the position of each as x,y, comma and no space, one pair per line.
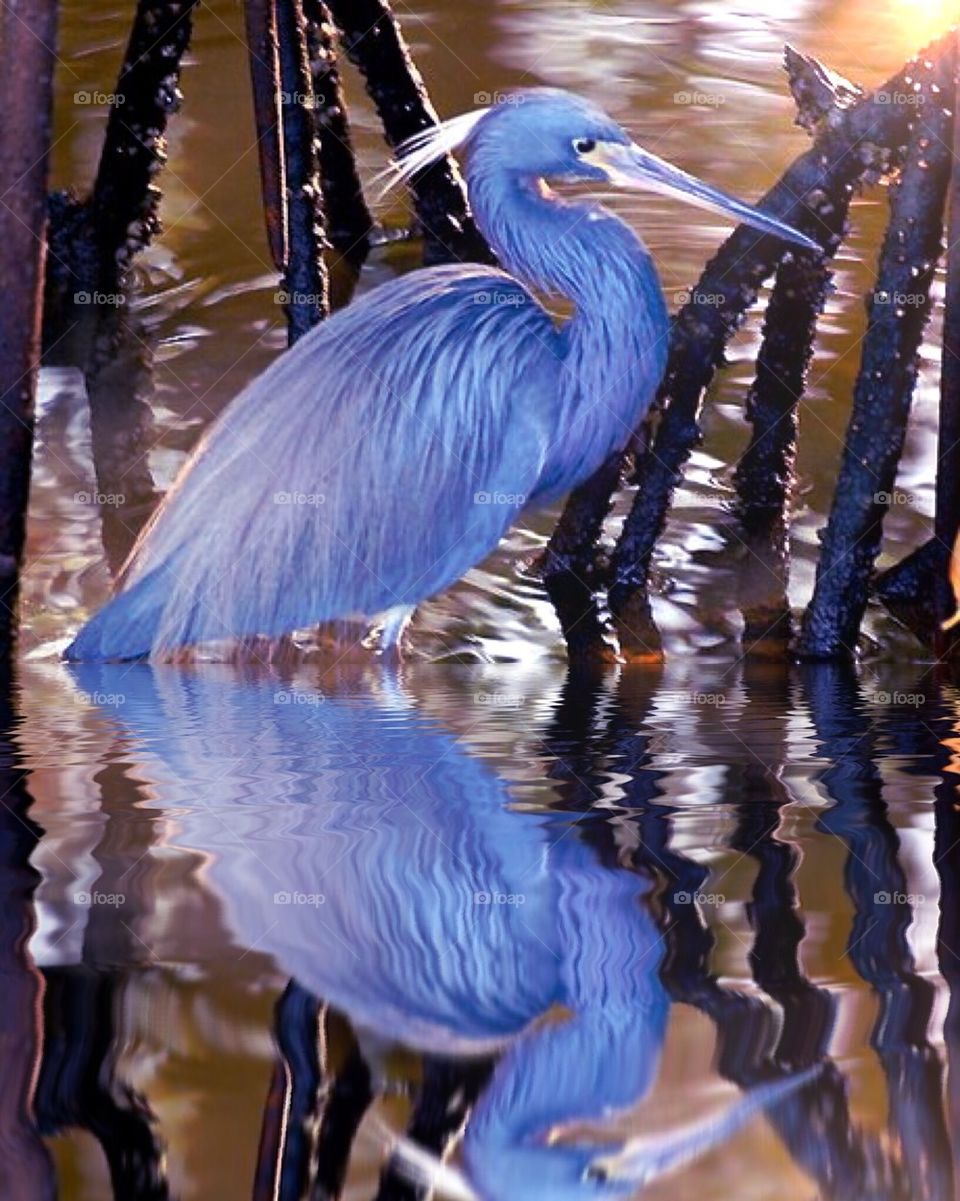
397,463
393,446
433,912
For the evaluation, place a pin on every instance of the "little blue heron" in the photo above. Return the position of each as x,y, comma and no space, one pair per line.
390,872
392,447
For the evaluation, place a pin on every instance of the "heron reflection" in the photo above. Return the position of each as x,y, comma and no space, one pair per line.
393,878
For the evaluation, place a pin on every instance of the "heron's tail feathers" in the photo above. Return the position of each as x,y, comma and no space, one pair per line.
127,626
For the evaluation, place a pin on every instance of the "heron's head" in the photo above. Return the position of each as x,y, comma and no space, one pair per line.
550,134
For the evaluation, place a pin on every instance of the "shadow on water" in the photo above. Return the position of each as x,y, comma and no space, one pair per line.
499,959
25,1166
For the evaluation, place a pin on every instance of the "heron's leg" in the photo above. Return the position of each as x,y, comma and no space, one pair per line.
389,630
444,1099
348,1098
313,1108
290,1114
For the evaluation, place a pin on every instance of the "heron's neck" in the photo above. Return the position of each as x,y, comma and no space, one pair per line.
600,1060
614,347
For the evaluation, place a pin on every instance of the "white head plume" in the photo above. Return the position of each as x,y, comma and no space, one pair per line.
427,147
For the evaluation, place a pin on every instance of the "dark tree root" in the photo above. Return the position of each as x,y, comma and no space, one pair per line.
349,222
858,138
947,519
94,241
263,51
28,33
26,1168
897,313
570,571
765,474
78,1088
285,112
374,42
917,591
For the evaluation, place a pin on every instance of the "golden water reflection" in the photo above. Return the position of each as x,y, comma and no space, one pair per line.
840,776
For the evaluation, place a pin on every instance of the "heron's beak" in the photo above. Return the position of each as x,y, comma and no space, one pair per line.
647,1158
630,166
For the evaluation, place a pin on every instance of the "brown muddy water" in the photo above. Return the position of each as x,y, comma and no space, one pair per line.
610,905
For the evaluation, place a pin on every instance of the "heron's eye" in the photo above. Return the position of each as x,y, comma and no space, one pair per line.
584,145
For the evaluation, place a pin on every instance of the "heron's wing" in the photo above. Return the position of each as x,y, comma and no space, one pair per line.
297,790
370,466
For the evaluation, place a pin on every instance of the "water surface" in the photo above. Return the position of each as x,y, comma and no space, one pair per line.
619,900
606,905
